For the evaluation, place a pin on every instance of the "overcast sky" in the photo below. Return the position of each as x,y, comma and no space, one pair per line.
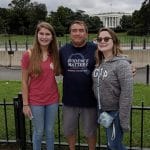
90,6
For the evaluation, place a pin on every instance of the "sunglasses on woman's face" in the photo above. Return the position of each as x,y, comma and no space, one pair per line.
106,39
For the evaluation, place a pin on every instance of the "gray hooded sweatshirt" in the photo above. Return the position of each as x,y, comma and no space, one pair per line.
113,84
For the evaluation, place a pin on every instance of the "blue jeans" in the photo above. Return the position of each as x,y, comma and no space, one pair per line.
43,120
114,134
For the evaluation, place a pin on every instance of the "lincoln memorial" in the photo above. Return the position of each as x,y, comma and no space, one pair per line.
111,19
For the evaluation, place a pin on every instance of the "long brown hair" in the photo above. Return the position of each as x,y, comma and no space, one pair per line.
36,52
116,46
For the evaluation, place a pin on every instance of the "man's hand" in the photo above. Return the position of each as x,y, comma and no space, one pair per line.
133,69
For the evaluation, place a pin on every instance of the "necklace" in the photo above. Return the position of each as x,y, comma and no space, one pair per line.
108,58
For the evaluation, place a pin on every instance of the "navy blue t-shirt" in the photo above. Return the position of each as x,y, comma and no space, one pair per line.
77,65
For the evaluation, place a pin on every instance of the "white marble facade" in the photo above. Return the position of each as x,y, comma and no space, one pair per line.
111,19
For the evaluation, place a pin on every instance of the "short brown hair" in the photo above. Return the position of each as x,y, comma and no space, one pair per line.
80,22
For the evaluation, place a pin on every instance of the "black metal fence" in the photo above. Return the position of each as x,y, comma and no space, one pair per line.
21,134
139,43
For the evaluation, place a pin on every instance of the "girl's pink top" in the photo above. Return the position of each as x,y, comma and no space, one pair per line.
43,89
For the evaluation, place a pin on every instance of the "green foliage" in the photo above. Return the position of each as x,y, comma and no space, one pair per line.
22,16
141,94
94,24
126,22
9,89
62,18
3,20
141,23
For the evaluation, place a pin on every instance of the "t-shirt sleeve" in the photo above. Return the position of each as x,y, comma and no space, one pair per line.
25,60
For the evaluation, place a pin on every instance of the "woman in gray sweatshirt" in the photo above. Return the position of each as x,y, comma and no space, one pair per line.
113,86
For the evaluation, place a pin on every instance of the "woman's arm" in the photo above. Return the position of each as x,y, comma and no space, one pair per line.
25,82
125,77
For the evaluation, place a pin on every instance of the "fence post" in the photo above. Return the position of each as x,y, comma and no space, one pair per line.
147,74
142,125
17,127
6,45
132,44
21,123
99,137
79,132
6,124
10,52
26,44
16,45
144,44
131,128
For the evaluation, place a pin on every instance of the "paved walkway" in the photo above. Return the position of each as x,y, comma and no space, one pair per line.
10,73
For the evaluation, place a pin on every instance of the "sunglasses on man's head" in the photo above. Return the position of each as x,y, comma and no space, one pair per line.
106,39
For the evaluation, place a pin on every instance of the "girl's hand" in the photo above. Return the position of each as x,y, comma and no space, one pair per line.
27,111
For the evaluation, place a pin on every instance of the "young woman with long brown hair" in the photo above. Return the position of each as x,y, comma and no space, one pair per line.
40,64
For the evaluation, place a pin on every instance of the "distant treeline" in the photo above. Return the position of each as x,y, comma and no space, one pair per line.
22,16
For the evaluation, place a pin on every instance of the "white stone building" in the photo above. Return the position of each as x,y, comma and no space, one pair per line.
111,19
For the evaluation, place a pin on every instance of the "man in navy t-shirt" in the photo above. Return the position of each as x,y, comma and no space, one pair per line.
77,62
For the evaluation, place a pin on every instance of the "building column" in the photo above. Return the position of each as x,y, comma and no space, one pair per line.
110,21
114,22
107,21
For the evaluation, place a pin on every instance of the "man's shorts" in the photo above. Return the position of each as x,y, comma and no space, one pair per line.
88,119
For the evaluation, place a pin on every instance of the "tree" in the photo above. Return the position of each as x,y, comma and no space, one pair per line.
36,12
141,21
145,15
94,24
24,16
126,22
3,20
18,16
56,22
64,16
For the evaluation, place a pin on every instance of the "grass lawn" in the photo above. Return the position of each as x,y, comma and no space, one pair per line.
9,89
21,39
